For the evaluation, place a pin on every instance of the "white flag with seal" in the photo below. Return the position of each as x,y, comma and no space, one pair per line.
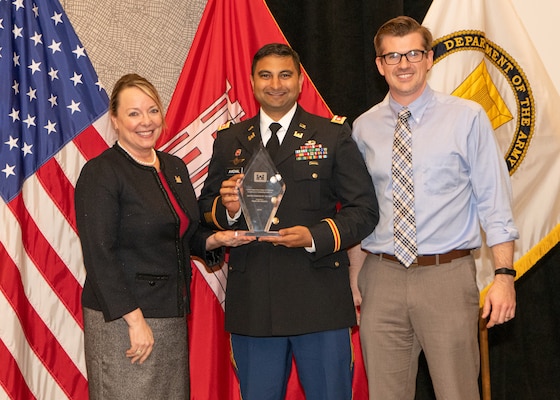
483,52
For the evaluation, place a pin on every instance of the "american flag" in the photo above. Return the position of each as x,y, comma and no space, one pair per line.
53,118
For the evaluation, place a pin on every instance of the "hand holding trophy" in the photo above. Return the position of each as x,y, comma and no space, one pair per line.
260,193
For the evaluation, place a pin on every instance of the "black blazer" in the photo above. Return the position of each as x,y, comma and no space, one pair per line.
129,232
274,290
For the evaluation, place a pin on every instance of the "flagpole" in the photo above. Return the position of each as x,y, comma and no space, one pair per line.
484,358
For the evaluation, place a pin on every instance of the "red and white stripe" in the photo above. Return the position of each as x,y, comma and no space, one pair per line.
41,277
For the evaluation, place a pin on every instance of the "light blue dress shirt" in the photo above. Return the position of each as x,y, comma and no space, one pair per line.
461,181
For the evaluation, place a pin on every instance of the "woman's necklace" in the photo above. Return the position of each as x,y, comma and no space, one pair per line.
147,164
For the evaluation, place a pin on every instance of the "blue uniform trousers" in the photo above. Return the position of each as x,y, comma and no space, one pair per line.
324,362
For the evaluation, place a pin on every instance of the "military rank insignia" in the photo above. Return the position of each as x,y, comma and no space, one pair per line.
311,151
338,119
224,126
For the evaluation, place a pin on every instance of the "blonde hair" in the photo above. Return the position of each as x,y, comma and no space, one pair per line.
137,81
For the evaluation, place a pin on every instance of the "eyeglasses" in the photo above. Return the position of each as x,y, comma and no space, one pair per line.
413,56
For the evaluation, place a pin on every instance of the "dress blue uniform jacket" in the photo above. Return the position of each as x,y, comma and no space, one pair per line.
280,291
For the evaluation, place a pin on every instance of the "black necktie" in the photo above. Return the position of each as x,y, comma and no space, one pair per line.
273,143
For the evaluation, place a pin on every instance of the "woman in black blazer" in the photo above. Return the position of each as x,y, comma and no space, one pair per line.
138,223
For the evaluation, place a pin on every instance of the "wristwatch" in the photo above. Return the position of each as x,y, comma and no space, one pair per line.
505,271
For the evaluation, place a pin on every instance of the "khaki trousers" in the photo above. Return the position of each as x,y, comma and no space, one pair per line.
431,308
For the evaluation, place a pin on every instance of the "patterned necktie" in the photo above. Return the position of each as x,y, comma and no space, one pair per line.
273,144
403,192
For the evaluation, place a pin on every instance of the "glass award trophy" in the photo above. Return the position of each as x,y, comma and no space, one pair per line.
260,193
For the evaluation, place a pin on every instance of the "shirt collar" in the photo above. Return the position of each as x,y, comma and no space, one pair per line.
285,121
417,107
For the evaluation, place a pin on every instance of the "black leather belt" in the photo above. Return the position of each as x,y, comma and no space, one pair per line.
434,259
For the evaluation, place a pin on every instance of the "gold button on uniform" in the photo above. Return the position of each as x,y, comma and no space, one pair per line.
314,175
337,264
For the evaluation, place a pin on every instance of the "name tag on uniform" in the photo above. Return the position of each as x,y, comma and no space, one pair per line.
234,171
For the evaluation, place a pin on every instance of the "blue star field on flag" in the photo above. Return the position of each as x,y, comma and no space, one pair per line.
49,90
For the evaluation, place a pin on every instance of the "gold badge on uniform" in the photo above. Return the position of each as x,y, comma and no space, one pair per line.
338,119
237,160
178,179
224,126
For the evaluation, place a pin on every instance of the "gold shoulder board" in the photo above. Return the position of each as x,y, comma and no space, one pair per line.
224,126
338,119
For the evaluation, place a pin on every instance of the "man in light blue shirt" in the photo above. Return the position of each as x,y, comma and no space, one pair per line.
460,185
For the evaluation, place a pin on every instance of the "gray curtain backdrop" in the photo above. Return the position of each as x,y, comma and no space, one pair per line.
150,38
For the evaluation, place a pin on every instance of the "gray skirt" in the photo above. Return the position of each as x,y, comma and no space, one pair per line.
111,376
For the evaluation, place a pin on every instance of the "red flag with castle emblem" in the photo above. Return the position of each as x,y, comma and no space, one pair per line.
214,87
